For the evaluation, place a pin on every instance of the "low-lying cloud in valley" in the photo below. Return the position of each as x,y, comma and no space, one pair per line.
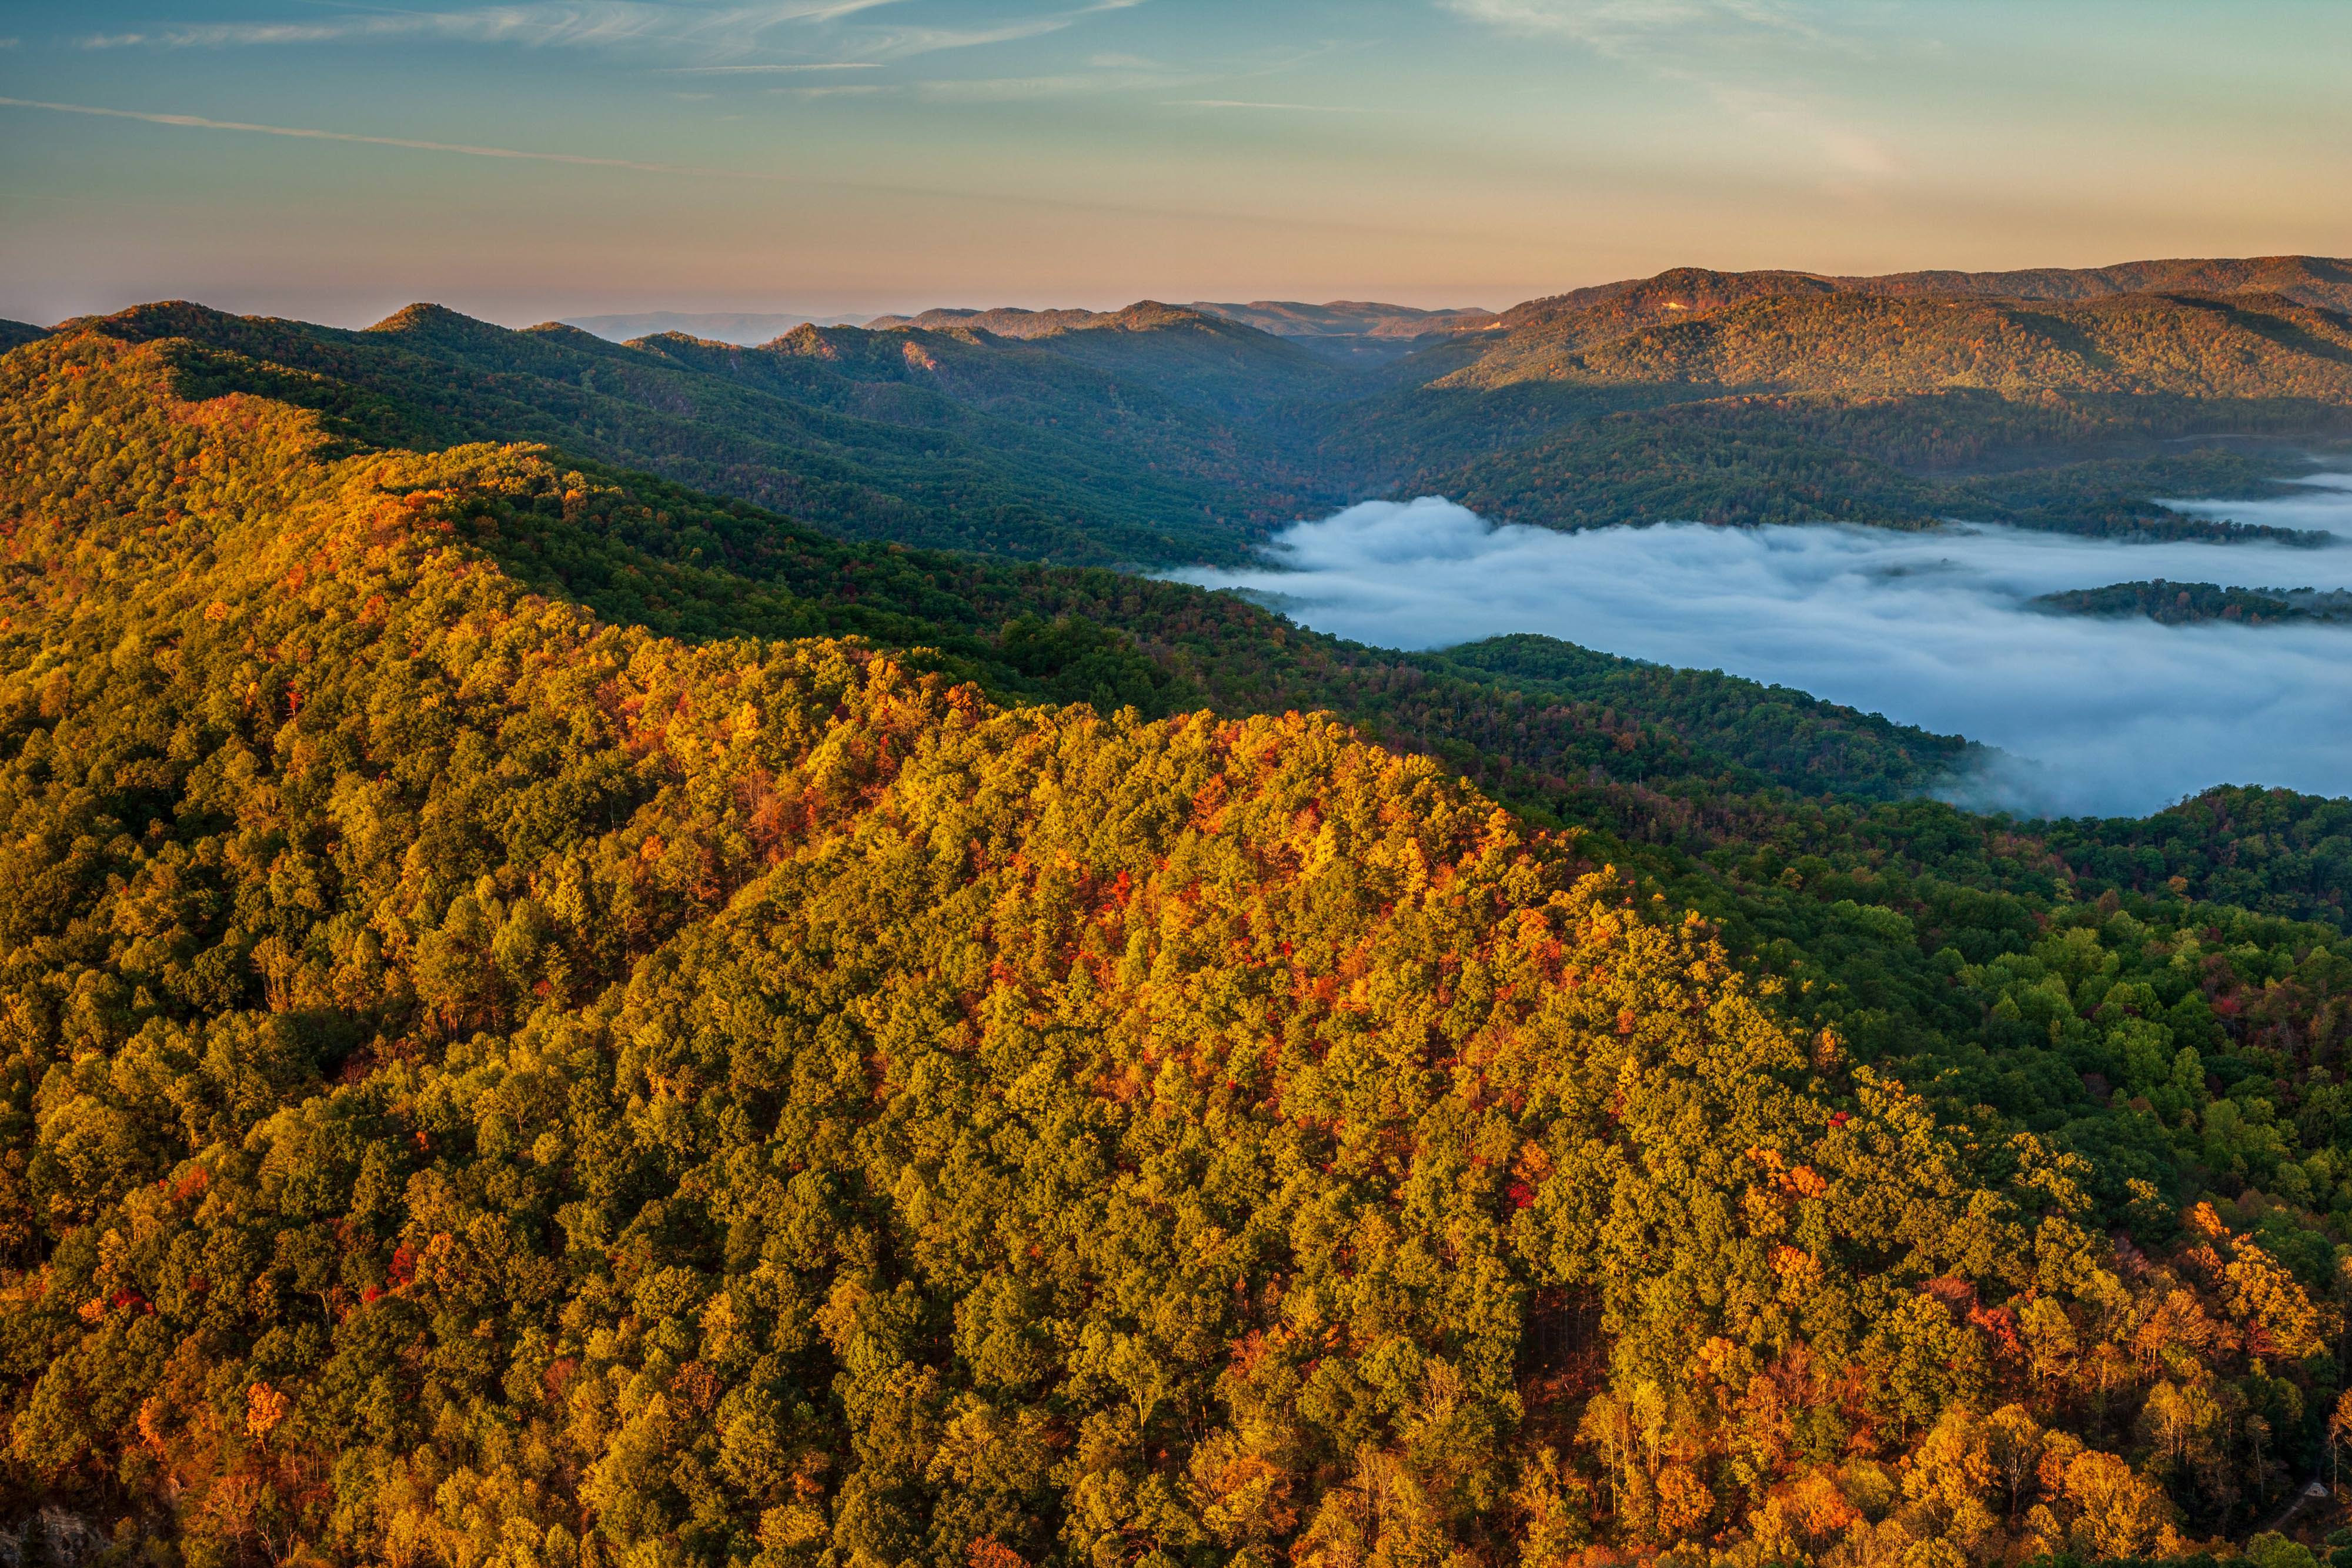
2108,716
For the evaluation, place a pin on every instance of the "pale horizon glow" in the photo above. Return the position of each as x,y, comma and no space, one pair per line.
534,158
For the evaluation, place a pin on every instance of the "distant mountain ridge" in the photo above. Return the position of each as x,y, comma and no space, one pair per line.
1278,318
2249,343
1349,318
743,327
1163,434
1344,330
2308,279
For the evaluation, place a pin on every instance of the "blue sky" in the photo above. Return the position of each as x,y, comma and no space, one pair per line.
529,158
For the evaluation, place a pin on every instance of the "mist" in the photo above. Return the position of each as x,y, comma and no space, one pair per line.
2106,716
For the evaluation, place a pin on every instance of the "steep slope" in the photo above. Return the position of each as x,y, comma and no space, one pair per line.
12,333
478,1075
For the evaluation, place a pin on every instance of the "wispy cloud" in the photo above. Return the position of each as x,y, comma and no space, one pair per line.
992,201
307,133
547,23
1260,103
846,90
794,69
903,42
718,33
1619,26
1841,145
1710,45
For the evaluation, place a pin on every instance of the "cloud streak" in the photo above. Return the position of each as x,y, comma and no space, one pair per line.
589,24
1932,629
307,133
795,70
990,200
723,33
1710,46
1630,26
1260,103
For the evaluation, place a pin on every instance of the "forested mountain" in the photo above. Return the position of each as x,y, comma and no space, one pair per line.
1694,291
741,326
12,333
549,1017
1349,332
927,438
1178,351
2197,346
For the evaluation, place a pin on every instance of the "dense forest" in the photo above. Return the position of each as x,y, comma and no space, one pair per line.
2186,603
551,1016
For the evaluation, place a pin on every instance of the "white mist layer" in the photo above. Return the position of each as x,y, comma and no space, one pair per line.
2328,510
2111,717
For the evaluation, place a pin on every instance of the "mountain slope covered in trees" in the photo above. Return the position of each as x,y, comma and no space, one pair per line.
1003,449
1161,435
550,1016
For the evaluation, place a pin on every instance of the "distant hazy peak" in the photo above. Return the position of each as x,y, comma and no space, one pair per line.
745,328
1014,321
1002,321
1347,318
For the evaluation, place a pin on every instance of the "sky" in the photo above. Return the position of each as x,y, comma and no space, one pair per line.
335,160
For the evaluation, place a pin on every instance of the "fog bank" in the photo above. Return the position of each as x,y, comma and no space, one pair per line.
2111,717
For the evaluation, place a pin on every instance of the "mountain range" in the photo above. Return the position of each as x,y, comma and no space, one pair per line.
746,328
627,953
1162,433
